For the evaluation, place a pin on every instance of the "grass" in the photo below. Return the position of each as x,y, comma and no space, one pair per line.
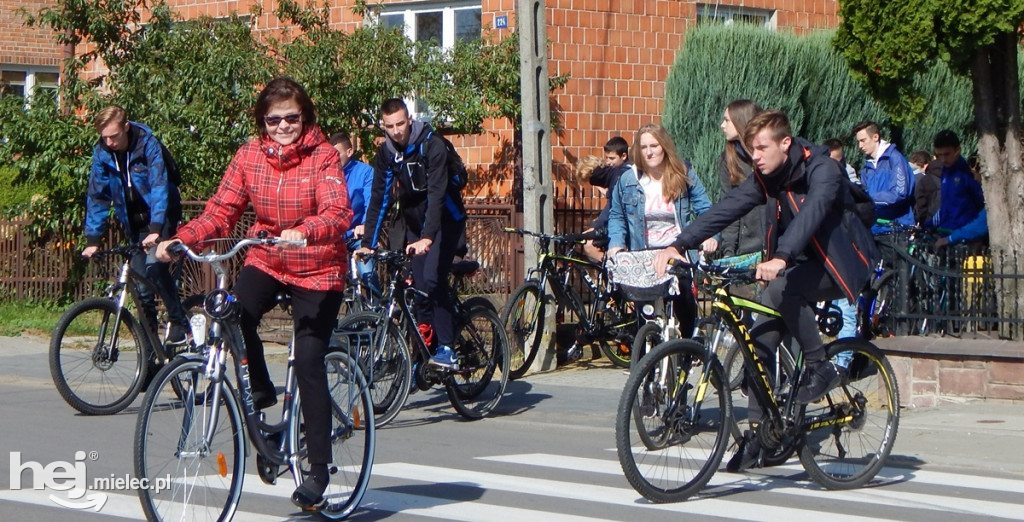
17,318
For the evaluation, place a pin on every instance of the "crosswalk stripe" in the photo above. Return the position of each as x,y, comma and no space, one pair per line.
599,494
881,496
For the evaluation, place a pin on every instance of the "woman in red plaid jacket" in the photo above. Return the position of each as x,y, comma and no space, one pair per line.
292,177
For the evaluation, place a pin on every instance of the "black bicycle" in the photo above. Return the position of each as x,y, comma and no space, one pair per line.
190,425
603,315
381,342
101,352
675,416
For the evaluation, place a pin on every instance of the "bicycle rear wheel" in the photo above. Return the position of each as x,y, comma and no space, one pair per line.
97,358
390,373
353,438
848,453
664,401
203,478
523,318
482,348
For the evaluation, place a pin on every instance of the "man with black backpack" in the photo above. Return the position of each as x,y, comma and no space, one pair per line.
818,249
135,173
419,170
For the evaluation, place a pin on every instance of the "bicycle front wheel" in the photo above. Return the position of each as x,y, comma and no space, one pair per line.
97,357
201,477
523,318
383,357
482,351
678,400
865,409
353,436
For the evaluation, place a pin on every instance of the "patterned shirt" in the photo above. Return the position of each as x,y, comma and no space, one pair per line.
299,186
659,214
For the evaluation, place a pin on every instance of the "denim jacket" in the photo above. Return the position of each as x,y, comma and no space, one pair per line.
627,226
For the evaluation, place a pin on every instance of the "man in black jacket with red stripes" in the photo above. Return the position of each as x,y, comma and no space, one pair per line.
817,248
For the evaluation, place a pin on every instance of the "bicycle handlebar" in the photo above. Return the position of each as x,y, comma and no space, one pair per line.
560,238
729,275
213,257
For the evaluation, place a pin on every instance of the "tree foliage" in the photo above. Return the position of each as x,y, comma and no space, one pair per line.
195,83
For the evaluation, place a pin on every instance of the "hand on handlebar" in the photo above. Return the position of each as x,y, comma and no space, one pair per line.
419,247
709,245
769,270
362,253
663,257
161,249
89,251
292,239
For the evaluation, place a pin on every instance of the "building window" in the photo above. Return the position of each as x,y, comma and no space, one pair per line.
440,23
728,15
25,82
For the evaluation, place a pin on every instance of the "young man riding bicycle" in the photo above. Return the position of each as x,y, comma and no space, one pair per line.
431,221
817,248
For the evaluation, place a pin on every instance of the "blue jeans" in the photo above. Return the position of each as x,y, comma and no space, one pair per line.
849,329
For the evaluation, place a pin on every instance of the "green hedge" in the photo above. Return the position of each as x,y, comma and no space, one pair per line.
802,75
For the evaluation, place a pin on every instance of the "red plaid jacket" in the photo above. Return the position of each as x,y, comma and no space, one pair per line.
299,186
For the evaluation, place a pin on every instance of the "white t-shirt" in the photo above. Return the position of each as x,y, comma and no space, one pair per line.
660,215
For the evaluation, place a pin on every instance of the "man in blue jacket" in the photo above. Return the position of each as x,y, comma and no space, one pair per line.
887,177
962,211
359,178
129,172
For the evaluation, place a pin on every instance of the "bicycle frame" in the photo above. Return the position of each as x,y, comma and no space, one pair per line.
125,286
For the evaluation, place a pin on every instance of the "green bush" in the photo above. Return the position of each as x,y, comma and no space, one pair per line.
15,194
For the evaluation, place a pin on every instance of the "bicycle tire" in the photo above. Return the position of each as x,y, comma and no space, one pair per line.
353,438
86,375
850,454
205,479
615,348
693,450
523,317
648,337
482,349
391,375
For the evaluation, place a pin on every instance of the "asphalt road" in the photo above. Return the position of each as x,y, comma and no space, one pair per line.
547,454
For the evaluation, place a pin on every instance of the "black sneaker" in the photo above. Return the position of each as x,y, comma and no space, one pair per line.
177,334
747,454
263,399
820,377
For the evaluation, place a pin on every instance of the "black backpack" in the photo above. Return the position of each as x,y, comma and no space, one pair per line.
863,206
458,176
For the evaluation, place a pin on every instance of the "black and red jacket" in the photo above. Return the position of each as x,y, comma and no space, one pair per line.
809,216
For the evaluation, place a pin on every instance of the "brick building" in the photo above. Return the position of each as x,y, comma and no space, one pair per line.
618,53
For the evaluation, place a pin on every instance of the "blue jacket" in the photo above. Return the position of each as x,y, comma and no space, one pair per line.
627,226
890,182
962,198
359,178
149,177
974,229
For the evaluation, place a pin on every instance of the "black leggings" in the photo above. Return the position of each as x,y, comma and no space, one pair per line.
314,314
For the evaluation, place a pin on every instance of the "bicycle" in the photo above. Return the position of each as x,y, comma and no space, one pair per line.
197,436
678,403
100,354
608,318
378,341
359,296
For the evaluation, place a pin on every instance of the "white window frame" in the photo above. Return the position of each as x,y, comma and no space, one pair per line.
447,9
30,76
409,12
728,14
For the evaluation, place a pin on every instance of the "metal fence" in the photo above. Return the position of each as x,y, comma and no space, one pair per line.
960,290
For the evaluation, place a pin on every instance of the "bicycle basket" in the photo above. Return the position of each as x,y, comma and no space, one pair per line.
634,273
